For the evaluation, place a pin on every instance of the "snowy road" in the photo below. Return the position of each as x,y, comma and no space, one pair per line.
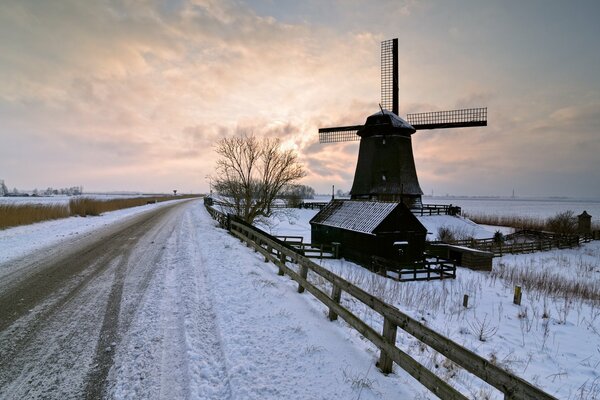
165,305
64,313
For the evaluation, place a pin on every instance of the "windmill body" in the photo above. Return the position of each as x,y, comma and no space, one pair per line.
385,169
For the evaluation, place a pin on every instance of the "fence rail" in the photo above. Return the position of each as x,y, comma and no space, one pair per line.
276,251
436,209
434,269
542,241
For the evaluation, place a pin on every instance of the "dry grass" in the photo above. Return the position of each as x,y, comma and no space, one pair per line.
564,222
548,283
84,206
24,214
513,221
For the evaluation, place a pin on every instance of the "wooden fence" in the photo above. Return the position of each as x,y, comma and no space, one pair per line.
428,270
285,258
436,209
541,241
319,205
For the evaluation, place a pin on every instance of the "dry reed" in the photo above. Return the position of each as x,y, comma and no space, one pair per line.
12,215
84,206
25,214
513,221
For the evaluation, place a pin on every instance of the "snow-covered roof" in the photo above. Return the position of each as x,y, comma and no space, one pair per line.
358,216
397,122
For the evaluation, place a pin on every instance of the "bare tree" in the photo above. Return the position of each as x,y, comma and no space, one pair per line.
251,172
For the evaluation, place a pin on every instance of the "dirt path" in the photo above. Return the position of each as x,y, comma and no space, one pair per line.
70,317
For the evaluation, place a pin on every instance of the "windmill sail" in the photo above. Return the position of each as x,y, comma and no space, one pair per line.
449,119
389,75
339,134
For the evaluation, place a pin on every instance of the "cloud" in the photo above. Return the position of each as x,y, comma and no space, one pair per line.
146,87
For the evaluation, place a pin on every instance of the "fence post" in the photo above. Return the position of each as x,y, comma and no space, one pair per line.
389,336
304,274
466,301
517,297
336,250
336,295
282,262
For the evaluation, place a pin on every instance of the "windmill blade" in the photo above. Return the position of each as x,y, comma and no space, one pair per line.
339,134
449,119
389,75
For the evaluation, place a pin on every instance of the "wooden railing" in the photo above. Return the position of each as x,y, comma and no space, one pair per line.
426,270
543,242
298,267
436,209
319,205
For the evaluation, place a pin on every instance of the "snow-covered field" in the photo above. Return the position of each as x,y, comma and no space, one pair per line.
521,206
247,334
532,207
22,240
552,339
215,322
61,199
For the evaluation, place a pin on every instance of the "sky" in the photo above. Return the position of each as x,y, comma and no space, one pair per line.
133,95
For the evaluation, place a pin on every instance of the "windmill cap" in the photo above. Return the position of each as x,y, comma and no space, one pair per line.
385,123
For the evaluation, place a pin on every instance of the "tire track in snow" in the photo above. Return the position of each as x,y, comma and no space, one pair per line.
50,314
209,373
119,312
173,349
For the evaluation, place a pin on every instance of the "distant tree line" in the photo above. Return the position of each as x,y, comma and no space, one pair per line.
70,191
294,194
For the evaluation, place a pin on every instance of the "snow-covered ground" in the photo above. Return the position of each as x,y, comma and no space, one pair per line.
22,240
552,339
296,223
521,206
213,321
532,207
63,199
217,322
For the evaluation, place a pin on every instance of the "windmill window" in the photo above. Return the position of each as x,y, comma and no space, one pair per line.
383,177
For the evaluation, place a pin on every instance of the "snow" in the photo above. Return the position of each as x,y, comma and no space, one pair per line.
63,199
216,322
552,339
211,321
397,121
296,223
464,228
22,240
532,207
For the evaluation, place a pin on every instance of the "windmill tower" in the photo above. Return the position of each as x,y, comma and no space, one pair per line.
385,170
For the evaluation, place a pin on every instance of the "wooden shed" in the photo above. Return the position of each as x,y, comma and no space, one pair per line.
467,257
370,228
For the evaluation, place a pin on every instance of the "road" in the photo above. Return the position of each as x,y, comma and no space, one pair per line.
66,313
165,305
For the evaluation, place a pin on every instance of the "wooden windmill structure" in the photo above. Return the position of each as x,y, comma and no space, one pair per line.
385,170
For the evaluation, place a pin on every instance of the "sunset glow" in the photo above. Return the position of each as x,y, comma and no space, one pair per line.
132,95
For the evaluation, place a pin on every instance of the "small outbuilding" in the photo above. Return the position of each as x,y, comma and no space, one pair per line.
370,228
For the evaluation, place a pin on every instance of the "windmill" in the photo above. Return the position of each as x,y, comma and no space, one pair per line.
385,169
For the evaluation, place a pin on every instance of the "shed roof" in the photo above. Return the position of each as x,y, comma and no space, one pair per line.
358,216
